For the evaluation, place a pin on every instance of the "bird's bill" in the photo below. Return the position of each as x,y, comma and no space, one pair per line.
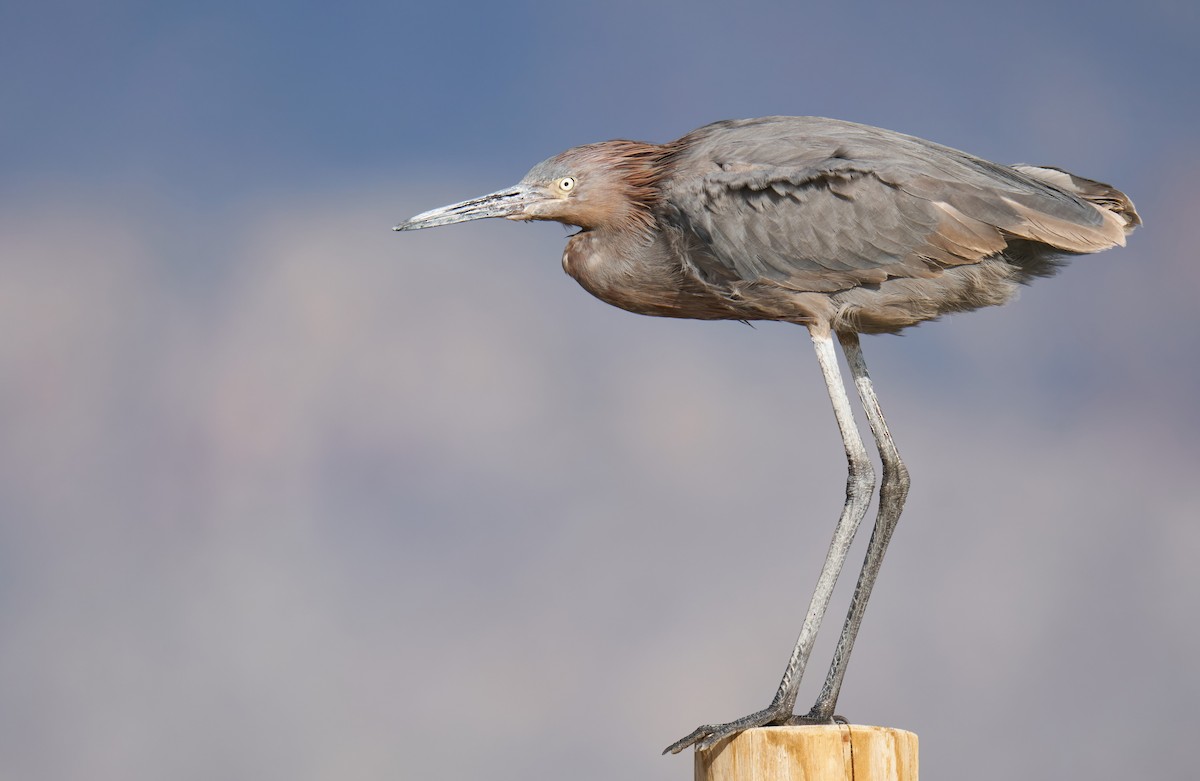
509,202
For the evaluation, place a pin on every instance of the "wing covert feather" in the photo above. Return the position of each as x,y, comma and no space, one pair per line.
822,205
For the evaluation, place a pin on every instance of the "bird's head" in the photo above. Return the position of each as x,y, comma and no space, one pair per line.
607,185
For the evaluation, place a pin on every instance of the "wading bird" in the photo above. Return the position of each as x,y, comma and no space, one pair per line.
839,227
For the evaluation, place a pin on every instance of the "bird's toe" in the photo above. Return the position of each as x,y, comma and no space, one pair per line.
708,735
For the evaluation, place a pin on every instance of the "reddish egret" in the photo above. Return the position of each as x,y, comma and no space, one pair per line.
839,227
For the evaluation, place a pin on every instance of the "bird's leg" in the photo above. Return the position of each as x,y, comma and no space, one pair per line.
860,484
892,492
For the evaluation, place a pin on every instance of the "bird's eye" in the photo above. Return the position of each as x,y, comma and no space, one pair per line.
566,184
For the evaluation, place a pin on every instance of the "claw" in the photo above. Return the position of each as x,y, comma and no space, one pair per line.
695,735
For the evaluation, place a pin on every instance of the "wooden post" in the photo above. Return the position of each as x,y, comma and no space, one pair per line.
835,752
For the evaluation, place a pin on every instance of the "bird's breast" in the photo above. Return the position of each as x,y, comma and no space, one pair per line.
641,275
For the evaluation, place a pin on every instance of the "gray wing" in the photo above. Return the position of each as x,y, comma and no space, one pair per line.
821,205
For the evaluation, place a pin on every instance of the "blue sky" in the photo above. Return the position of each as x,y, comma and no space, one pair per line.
283,493
232,97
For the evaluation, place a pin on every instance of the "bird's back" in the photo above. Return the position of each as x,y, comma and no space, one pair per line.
817,206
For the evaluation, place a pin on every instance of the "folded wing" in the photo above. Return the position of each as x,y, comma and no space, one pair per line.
821,205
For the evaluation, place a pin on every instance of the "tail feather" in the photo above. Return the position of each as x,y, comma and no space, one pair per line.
1115,204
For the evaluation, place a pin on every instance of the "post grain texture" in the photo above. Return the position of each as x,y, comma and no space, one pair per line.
835,752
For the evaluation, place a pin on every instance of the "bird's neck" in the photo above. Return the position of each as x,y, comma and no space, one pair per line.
630,214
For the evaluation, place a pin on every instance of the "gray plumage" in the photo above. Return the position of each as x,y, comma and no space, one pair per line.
761,214
840,227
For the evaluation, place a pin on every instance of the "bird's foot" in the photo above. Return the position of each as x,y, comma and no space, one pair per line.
707,735
812,718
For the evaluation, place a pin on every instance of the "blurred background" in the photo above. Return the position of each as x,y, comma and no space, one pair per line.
286,495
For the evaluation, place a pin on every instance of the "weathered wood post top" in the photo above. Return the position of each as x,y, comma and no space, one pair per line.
834,752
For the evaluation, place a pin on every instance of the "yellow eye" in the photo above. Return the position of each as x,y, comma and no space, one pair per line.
566,184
